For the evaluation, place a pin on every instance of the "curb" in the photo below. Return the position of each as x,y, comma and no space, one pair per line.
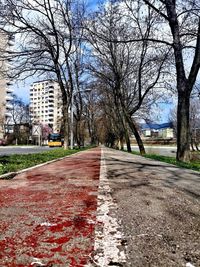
11,175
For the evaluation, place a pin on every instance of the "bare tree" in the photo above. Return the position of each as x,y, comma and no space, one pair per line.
130,70
178,27
194,123
80,86
19,111
46,36
19,118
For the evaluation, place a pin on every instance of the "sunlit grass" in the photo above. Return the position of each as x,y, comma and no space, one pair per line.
194,165
13,163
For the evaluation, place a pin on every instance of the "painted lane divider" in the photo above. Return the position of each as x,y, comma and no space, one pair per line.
108,249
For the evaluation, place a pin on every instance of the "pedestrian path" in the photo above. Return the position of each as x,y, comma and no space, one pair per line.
48,214
158,207
101,208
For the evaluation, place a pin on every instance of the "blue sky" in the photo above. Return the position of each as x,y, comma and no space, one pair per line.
21,89
93,4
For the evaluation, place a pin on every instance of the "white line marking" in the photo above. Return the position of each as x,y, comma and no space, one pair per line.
48,224
37,261
188,264
108,237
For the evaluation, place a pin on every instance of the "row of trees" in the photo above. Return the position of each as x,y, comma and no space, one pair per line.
18,126
132,52
194,123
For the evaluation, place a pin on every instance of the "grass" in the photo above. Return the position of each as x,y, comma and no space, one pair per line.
13,163
193,165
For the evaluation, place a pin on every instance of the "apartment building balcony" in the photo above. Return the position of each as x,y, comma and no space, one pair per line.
9,106
11,37
9,63
11,43
9,98
9,83
9,90
8,115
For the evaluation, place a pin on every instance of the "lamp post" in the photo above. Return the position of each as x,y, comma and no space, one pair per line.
72,116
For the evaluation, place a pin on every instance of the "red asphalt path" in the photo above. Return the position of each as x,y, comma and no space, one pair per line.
47,214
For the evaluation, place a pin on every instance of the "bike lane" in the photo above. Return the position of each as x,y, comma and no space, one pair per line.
48,213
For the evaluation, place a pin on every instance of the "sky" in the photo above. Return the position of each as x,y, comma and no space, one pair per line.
21,89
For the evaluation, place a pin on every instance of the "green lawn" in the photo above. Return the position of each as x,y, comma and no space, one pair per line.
194,165
15,163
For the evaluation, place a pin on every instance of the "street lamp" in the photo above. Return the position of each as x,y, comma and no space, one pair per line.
72,116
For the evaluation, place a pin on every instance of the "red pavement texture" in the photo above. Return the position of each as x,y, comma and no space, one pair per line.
47,215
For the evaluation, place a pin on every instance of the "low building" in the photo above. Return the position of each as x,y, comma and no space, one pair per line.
163,130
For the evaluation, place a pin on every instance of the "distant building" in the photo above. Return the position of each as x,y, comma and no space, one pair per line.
163,130
46,104
5,90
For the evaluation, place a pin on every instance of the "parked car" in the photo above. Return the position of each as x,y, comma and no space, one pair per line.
2,142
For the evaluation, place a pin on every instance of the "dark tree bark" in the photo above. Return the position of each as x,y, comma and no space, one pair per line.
184,84
45,48
183,127
136,134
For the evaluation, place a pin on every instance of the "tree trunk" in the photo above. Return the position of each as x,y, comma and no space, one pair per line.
136,134
122,117
79,133
121,142
128,143
196,145
192,142
183,127
66,126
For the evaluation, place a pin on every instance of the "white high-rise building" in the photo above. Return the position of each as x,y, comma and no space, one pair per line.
5,90
46,104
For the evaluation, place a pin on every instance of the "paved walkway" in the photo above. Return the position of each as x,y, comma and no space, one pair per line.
158,208
48,214
139,213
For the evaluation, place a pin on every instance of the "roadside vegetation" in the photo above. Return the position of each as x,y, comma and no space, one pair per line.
193,165
13,163
116,63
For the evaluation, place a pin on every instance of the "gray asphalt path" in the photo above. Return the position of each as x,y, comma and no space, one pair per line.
11,150
158,206
169,175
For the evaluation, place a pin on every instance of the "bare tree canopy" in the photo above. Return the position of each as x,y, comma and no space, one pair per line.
175,25
135,49
130,71
47,35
